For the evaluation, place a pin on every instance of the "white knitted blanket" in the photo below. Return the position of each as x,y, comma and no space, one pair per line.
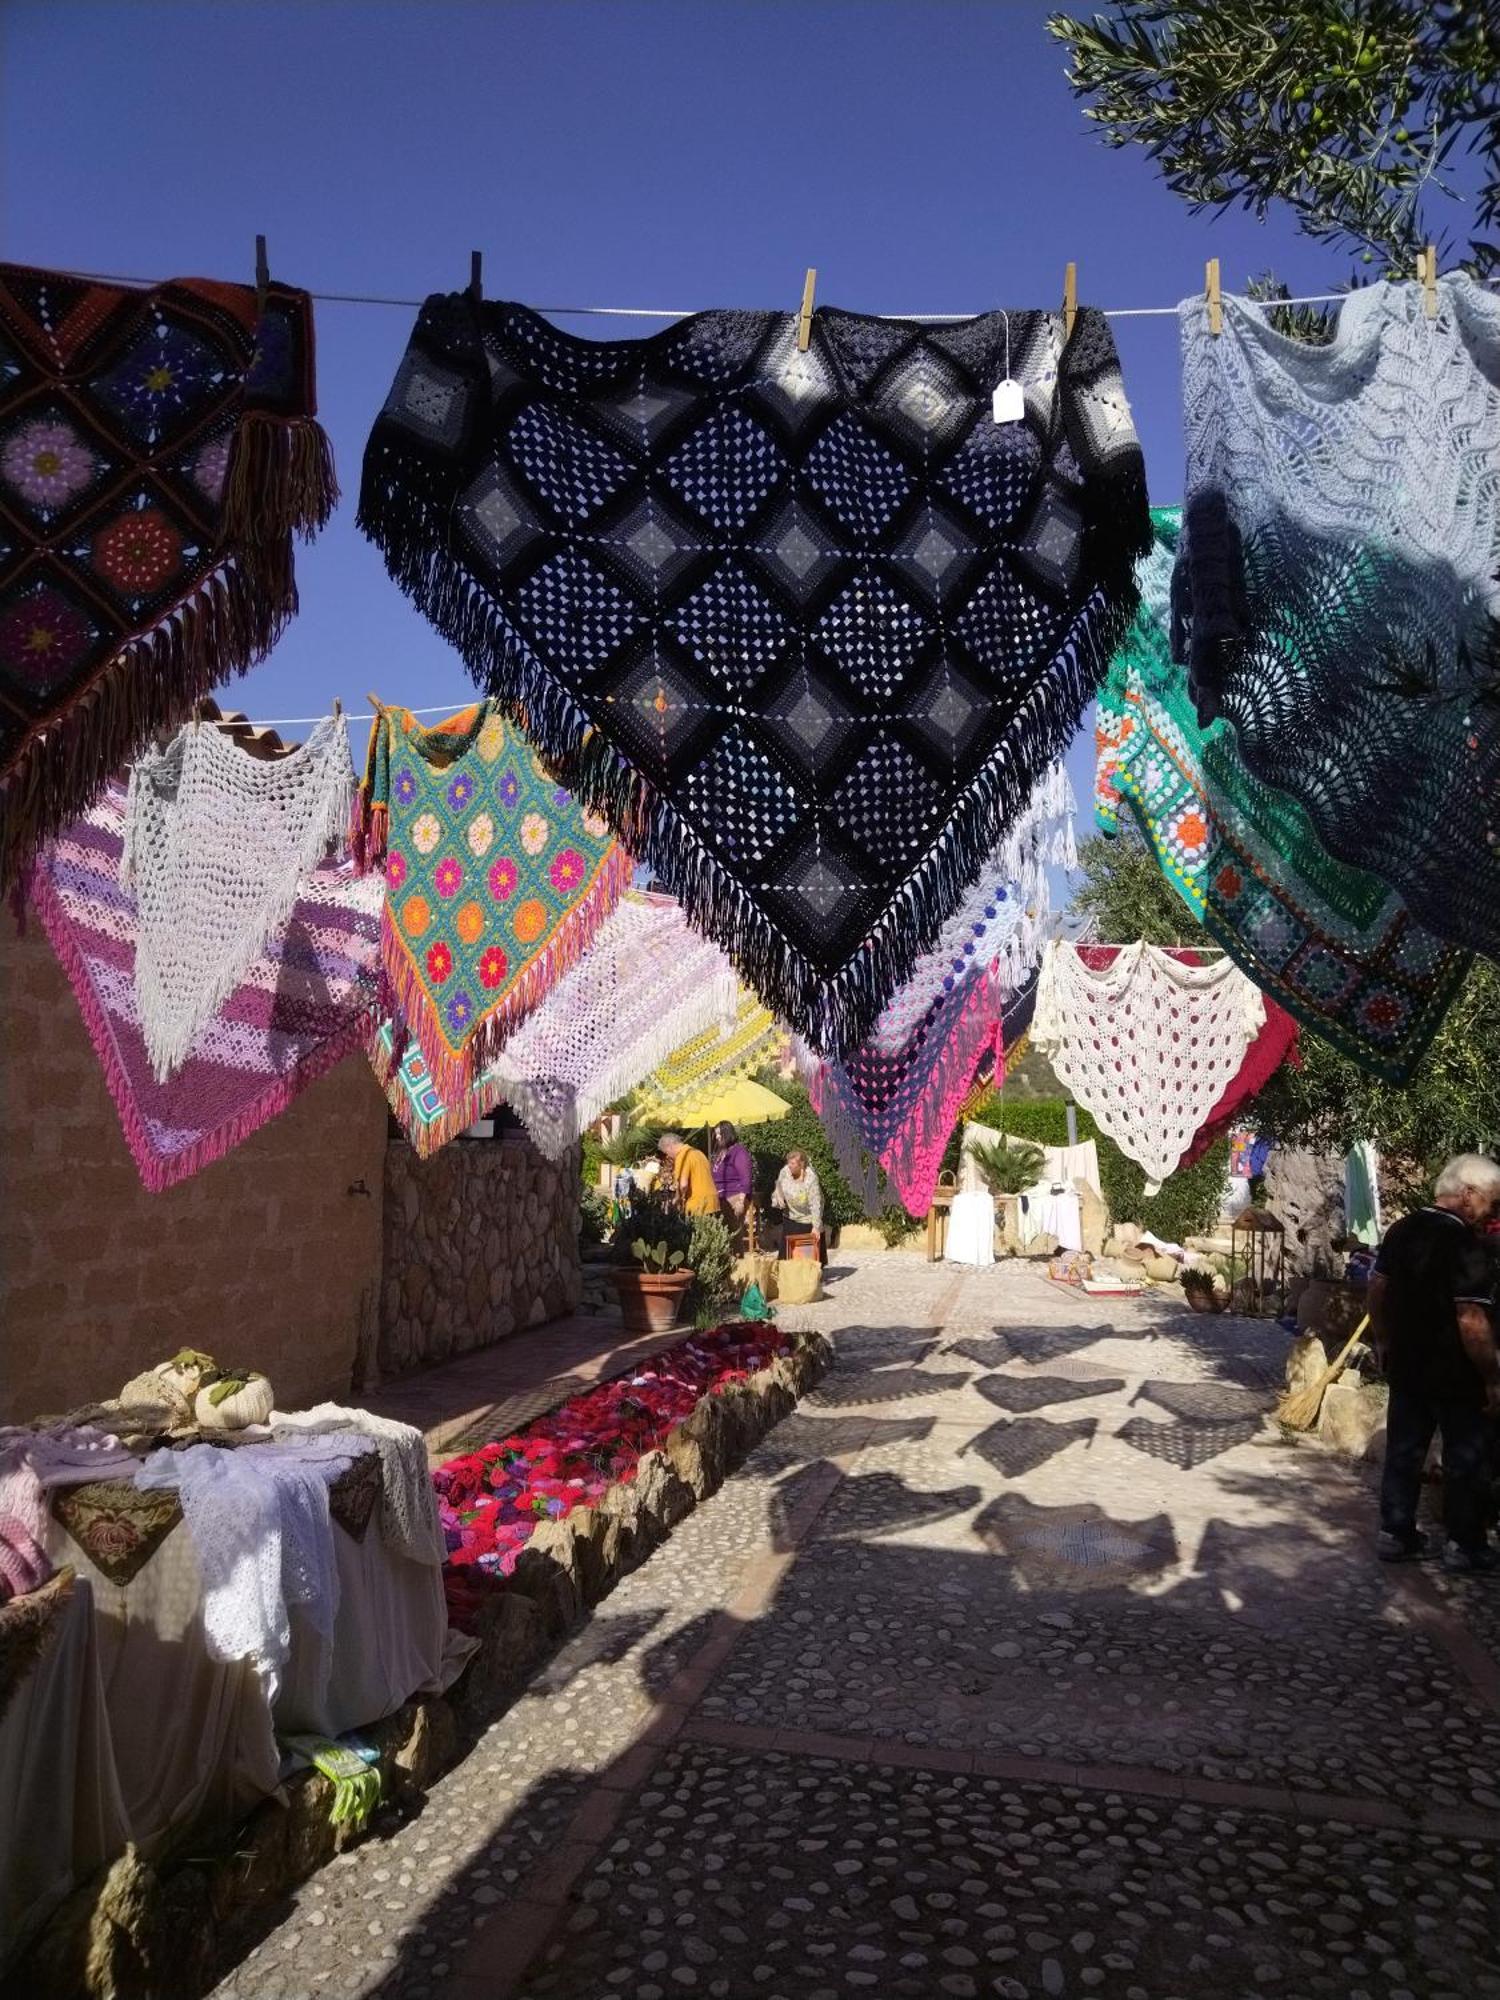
1147,1043
648,984
216,845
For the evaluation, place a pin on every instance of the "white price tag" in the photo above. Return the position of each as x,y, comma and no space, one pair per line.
1008,404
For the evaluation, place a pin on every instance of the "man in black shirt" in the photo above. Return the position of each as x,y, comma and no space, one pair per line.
1430,1302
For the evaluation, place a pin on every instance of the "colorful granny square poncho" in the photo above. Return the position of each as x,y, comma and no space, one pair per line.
805,626
496,882
1335,945
157,454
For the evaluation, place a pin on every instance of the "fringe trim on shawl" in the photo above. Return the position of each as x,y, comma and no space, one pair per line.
280,480
456,1073
833,1012
159,1172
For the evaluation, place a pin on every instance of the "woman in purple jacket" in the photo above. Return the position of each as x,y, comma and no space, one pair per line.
734,1176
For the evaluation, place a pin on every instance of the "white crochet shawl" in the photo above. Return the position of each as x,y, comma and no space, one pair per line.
1148,1044
216,844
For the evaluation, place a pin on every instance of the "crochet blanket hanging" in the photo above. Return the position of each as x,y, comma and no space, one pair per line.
646,985
1011,1044
216,845
1332,943
712,1057
496,883
157,454
891,1104
1337,595
1145,1042
299,1009
806,627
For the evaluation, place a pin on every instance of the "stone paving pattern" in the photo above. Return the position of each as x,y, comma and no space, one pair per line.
1022,1660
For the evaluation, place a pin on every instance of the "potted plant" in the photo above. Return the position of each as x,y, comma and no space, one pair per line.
1008,1169
650,1272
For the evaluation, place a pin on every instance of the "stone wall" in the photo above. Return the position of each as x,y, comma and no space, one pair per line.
479,1240
1305,1191
269,1257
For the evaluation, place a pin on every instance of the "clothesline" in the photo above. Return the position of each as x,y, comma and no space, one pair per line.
690,312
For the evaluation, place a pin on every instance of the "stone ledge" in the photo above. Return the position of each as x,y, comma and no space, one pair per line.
158,1931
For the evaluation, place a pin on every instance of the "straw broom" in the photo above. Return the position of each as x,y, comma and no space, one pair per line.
1298,1409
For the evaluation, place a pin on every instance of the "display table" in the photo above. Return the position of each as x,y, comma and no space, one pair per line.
160,1730
971,1229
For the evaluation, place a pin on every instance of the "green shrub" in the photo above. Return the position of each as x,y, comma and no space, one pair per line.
593,1216
710,1257
593,1159
895,1225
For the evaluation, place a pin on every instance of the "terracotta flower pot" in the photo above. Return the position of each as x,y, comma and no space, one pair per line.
650,1301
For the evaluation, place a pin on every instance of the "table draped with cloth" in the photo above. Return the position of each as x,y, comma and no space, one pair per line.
287,1581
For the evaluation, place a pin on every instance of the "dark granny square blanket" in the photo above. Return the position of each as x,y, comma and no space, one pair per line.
806,627
157,453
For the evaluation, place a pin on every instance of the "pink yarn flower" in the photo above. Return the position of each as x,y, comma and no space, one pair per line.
503,878
47,462
449,878
567,870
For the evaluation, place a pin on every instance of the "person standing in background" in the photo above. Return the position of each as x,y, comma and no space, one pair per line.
691,1174
799,1197
1430,1302
734,1177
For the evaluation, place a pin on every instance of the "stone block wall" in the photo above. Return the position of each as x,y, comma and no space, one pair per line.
270,1257
479,1240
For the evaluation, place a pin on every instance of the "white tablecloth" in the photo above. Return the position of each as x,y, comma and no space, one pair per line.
971,1229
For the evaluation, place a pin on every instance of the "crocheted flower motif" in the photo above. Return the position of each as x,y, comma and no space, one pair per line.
491,739
530,920
439,962
1229,884
595,825
503,879
426,832
138,553
416,916
534,831
43,638
460,791
481,834
508,791
211,468
406,786
469,923
47,463
395,869
460,1012
566,871
449,878
493,967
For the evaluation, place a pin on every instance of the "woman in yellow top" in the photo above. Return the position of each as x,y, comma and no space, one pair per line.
692,1173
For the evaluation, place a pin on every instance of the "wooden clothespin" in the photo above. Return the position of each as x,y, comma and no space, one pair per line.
376,703
804,318
476,277
1070,297
1211,292
1427,272
262,276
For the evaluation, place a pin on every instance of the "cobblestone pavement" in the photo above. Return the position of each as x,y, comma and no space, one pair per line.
1023,1660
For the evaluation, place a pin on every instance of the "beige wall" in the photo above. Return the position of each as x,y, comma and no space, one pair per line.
265,1258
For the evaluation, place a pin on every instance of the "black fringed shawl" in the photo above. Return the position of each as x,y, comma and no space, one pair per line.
805,627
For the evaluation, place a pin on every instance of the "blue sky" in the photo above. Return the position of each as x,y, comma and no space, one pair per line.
925,155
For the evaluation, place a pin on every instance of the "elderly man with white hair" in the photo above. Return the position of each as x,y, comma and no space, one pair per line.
1430,1308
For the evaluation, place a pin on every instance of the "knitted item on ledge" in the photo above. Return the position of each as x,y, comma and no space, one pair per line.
299,1009
216,845
496,883
1146,1043
806,627
646,985
1334,945
714,1056
157,455
1337,596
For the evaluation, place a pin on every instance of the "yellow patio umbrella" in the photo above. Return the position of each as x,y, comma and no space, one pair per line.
740,1099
